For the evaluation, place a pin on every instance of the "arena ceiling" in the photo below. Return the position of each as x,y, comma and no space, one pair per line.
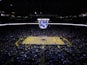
60,7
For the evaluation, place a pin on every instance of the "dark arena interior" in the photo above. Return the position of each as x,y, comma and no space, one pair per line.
37,32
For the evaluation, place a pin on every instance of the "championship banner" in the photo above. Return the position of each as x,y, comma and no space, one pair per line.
43,22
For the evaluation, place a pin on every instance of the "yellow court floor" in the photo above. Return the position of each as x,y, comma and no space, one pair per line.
43,40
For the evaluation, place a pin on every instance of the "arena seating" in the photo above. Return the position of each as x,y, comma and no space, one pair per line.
10,54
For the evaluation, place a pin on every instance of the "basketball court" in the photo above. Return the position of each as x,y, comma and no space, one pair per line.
43,40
